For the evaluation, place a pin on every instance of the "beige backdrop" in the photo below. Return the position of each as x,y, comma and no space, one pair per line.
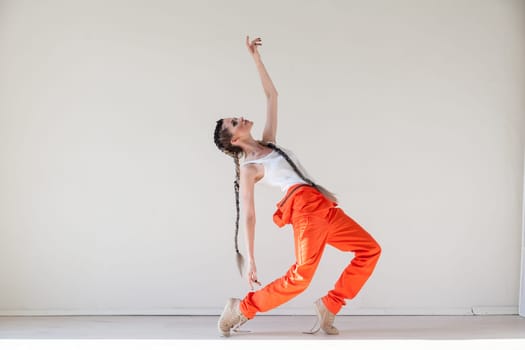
114,200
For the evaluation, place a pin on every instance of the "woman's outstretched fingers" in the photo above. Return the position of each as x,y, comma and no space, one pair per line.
252,45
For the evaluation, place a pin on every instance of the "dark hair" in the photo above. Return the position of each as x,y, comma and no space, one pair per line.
222,138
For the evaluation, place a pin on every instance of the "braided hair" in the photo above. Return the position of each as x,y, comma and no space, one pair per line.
222,138
320,188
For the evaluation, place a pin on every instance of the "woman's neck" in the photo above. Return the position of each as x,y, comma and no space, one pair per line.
253,149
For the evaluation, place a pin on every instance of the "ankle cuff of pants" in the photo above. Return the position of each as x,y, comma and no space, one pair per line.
244,310
332,306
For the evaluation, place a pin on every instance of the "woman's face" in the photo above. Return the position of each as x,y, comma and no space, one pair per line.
238,127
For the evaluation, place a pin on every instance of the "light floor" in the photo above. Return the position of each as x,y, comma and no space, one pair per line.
509,330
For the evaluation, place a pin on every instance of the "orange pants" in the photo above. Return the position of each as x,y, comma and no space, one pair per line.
316,222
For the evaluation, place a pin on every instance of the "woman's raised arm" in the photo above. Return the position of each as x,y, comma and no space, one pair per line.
270,128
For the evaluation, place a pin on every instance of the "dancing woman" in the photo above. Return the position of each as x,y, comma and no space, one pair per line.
311,209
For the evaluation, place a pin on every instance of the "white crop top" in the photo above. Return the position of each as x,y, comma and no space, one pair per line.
277,171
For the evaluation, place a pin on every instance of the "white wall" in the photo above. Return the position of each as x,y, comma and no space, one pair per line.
522,283
113,198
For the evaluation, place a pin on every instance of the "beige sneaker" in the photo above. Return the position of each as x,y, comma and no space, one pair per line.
326,318
231,317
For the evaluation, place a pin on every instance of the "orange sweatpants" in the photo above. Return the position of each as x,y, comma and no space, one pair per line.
316,222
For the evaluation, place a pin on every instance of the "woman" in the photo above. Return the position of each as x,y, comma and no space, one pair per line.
307,206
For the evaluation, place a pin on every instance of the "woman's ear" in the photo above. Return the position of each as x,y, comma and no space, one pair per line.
234,140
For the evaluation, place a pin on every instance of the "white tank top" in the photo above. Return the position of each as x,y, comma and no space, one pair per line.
277,171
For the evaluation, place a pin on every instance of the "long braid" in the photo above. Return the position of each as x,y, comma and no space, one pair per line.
320,188
239,257
222,139
292,164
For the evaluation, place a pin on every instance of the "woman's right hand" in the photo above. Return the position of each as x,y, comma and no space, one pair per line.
252,46
252,274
